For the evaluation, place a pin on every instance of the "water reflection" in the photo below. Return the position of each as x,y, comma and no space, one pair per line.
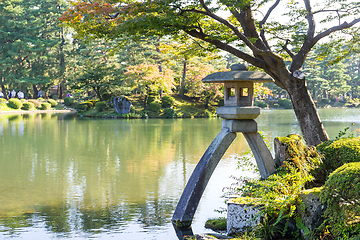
74,178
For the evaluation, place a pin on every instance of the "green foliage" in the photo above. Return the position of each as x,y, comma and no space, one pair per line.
260,103
28,105
55,97
154,106
285,103
83,106
69,101
341,194
35,102
2,105
52,102
305,159
353,103
216,224
100,106
277,199
169,113
3,100
45,106
167,101
15,103
338,152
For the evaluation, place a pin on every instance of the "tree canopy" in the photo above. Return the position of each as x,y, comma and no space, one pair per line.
277,45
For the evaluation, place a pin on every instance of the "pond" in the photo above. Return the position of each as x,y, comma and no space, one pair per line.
73,178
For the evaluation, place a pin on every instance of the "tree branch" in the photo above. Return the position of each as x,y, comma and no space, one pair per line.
342,26
285,48
219,44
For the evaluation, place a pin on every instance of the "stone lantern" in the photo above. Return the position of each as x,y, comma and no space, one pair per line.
238,91
238,113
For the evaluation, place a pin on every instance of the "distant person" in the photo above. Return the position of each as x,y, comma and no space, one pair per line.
68,95
9,95
1,94
13,94
20,95
39,94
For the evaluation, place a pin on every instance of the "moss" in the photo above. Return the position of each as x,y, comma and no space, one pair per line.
338,152
216,224
306,159
341,194
316,191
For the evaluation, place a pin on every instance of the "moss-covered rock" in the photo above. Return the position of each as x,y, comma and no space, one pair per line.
338,152
293,149
216,224
341,194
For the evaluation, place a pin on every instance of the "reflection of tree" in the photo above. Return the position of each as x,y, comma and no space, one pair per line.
97,175
56,218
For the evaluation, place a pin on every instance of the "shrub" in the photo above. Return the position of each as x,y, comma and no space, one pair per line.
15,103
54,97
82,106
68,101
285,103
52,102
99,106
2,105
151,98
154,106
338,152
341,194
169,113
28,106
45,106
261,104
167,101
3,100
93,101
23,100
325,101
35,102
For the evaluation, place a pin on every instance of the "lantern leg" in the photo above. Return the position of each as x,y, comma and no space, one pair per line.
264,160
196,185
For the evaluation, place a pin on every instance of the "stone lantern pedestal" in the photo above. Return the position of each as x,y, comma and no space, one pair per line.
238,113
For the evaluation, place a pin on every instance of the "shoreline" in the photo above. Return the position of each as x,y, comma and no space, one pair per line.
37,111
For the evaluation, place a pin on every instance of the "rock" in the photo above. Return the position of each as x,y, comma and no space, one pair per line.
312,209
122,104
241,216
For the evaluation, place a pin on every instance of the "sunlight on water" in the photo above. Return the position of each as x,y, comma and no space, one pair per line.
68,178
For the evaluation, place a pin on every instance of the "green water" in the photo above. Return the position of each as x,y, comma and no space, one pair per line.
72,178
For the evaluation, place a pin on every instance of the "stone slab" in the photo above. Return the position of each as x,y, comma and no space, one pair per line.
241,216
240,125
238,113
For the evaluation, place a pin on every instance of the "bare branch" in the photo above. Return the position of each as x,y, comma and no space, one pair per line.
284,47
269,12
262,22
342,26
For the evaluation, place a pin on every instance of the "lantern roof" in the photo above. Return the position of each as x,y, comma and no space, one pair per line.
239,72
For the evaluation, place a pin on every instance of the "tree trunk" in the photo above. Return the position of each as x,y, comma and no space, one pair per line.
4,92
35,96
305,110
183,79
